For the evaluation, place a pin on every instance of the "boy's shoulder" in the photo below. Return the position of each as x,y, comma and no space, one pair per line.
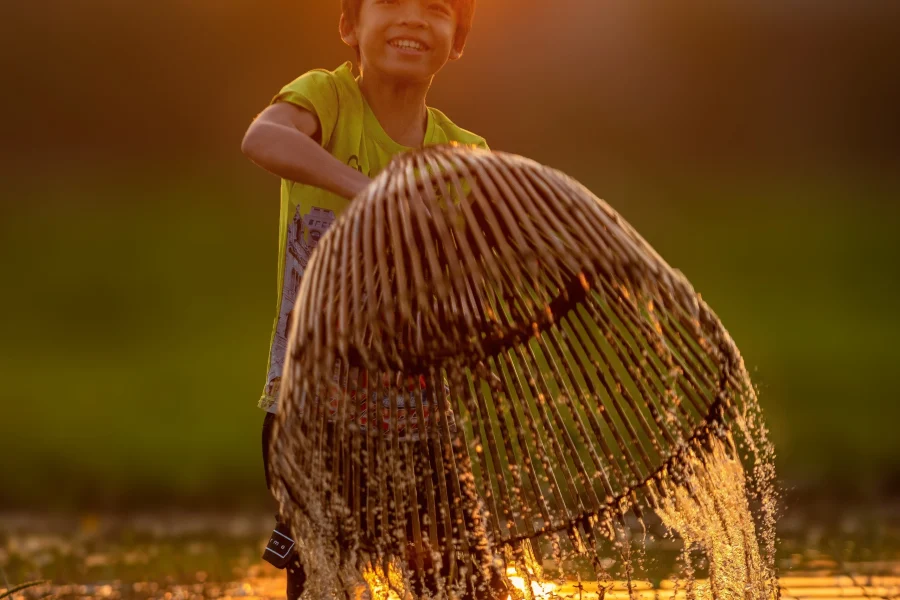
326,94
341,77
454,132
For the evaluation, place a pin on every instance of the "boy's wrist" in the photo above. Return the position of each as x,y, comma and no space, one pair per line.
356,184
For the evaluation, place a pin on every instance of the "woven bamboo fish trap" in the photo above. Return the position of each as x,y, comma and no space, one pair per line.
486,361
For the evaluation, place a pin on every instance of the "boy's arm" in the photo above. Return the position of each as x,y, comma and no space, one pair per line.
281,141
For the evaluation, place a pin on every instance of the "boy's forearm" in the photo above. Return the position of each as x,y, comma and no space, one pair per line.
293,155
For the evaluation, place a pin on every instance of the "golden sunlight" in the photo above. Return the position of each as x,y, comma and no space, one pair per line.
541,589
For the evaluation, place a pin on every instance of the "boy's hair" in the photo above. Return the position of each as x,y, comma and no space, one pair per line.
465,13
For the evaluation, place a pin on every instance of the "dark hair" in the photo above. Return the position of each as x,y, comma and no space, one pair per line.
465,13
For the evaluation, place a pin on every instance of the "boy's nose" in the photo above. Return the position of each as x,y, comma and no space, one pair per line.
412,15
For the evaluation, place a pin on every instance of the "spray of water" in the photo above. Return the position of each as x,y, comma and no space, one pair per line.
712,516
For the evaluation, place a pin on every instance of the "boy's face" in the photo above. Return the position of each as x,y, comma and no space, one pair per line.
407,39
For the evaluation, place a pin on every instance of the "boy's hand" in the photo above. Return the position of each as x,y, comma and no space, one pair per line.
283,141
358,185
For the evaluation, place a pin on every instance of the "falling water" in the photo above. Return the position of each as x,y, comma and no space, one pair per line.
711,514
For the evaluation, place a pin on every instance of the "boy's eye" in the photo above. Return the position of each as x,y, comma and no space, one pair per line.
440,7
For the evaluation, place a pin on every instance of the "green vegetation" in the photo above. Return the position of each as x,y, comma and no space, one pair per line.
137,309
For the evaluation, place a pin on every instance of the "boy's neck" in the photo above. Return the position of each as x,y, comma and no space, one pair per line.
398,105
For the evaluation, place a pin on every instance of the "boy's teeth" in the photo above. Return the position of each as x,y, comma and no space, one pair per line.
407,44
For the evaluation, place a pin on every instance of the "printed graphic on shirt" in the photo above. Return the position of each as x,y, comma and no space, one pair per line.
303,235
353,163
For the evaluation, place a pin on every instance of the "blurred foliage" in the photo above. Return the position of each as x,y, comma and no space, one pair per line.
753,146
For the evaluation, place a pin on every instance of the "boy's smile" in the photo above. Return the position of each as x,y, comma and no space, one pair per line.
409,45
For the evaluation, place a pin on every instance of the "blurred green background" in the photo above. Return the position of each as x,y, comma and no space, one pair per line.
755,145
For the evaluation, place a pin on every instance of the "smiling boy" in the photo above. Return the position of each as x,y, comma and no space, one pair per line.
328,133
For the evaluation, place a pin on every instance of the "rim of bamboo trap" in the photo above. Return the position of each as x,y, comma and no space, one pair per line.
467,265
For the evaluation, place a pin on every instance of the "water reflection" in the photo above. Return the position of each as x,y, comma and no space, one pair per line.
271,587
199,557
